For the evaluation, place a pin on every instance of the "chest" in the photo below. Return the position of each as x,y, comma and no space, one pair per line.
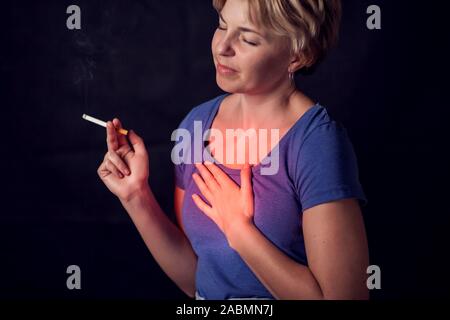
277,213
233,146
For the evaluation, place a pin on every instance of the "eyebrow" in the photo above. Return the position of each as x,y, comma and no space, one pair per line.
243,29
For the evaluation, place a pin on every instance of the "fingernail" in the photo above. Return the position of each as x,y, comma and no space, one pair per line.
127,172
120,175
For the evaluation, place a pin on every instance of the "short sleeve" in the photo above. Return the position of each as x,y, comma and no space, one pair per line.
179,175
326,167
179,137
178,162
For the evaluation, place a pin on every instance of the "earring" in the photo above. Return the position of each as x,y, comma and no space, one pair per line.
291,76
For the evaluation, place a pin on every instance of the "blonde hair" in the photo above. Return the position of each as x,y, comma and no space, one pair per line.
311,25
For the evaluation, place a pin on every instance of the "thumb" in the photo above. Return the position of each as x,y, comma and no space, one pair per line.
136,142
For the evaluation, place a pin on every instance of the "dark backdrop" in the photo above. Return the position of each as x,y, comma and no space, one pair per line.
148,63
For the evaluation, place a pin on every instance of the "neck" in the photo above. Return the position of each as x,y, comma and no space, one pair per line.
259,110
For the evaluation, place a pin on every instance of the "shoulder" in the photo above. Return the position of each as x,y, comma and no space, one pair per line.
320,142
323,162
200,112
315,124
185,133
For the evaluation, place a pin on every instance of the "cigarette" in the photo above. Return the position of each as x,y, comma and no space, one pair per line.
102,123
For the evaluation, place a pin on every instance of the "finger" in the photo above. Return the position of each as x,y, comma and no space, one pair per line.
111,167
124,152
118,162
246,179
137,142
209,179
202,187
203,206
103,171
246,189
120,137
111,137
217,173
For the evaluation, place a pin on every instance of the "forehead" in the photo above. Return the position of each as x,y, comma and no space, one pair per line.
237,13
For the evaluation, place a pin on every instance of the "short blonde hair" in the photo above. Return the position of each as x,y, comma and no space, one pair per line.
311,25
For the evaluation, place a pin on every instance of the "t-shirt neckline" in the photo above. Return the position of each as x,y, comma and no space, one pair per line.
229,170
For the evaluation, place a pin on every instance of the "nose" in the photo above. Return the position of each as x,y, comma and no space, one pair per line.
224,46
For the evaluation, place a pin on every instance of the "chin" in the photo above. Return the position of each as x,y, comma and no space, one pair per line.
230,86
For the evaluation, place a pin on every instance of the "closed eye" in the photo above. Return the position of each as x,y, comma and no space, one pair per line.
250,43
246,41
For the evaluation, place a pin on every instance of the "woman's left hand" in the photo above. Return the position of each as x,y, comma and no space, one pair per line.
231,206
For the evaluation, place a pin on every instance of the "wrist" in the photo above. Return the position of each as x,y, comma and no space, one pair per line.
141,193
239,233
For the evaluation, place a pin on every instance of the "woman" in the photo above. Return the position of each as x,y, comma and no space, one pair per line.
295,233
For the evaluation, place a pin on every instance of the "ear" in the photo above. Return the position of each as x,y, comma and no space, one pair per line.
298,61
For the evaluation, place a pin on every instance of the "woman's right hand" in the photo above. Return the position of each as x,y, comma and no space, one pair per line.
124,171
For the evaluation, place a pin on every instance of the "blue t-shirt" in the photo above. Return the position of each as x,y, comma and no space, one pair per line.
317,164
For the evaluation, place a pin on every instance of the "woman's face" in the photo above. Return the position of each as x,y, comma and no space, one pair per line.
260,60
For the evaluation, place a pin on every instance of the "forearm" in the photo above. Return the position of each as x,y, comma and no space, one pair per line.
168,245
284,277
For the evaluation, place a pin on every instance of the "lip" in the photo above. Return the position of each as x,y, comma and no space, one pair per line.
224,69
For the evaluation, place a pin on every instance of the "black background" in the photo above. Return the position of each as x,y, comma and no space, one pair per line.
149,63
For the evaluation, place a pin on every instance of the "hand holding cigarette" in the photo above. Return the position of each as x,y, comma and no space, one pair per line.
125,168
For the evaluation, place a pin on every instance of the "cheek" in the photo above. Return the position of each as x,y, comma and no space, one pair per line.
275,65
261,66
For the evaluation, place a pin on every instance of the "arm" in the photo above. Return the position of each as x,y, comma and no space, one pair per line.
166,242
337,253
